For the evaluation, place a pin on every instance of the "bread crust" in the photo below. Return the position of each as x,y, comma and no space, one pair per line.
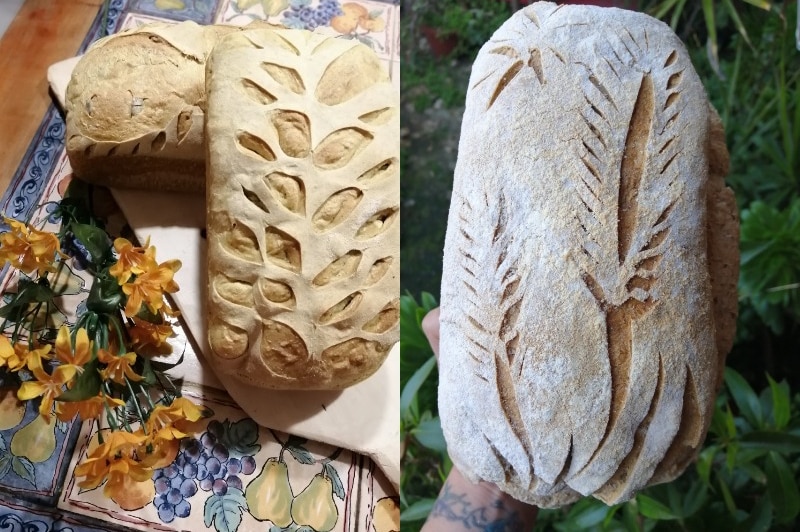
135,108
303,207
591,257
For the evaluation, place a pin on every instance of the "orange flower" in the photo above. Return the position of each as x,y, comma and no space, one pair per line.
6,352
27,248
168,422
162,452
18,356
47,386
98,463
118,366
82,352
150,338
150,286
91,408
133,260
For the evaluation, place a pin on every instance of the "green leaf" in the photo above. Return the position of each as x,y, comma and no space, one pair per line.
5,464
336,481
695,498
24,468
781,442
241,437
428,301
225,511
704,462
429,434
300,454
653,509
745,398
413,385
782,488
105,296
780,403
587,513
96,242
759,519
417,511
86,386
726,496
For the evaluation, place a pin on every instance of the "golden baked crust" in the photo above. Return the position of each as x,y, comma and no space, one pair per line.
303,203
135,108
590,265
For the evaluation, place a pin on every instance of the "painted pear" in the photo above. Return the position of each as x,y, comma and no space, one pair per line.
386,515
314,506
269,495
36,441
12,410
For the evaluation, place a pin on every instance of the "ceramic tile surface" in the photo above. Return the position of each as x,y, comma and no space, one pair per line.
235,475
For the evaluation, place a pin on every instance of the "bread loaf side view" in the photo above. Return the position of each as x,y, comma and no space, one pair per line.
303,206
135,108
591,258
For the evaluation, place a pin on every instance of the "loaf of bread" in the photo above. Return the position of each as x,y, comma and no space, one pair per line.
303,207
591,258
135,108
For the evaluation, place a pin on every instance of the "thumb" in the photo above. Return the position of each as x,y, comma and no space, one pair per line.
430,326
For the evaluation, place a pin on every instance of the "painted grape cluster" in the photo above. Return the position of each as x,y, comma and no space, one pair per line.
302,16
206,464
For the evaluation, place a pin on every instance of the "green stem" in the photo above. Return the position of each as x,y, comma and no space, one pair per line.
283,445
147,396
136,405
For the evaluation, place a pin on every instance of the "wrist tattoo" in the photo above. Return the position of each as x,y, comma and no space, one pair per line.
495,516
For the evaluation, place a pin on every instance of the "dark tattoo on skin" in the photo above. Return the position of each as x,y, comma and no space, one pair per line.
496,517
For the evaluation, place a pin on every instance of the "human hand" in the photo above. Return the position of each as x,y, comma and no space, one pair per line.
462,505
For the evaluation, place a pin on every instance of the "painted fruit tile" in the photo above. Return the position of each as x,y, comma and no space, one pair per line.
367,21
237,476
34,454
200,11
23,516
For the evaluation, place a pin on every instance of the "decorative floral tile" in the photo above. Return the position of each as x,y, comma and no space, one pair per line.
33,453
237,476
200,11
370,22
25,517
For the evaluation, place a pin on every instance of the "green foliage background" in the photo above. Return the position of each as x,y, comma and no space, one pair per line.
746,477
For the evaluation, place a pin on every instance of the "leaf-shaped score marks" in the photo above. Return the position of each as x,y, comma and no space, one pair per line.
339,148
353,354
256,92
359,66
158,142
254,146
276,292
282,249
378,117
288,77
283,350
237,292
377,224
184,124
253,198
226,340
242,243
288,190
341,268
294,132
378,270
379,171
336,208
342,310
385,319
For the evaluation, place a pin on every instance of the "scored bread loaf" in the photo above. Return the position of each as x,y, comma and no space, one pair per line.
303,208
135,108
591,257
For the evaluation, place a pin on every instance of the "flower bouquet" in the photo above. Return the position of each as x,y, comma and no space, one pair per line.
107,366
